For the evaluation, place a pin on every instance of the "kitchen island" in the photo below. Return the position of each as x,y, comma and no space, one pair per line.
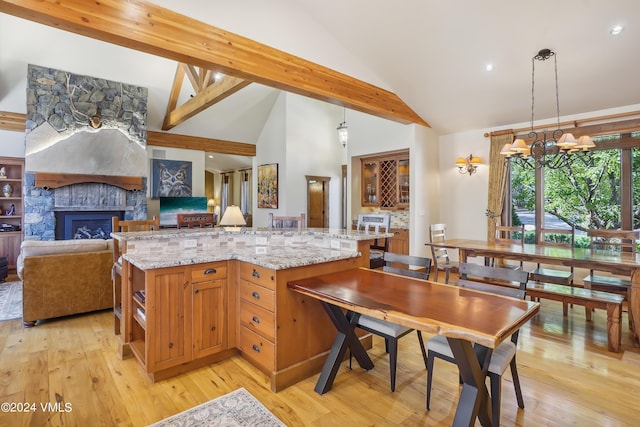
193,297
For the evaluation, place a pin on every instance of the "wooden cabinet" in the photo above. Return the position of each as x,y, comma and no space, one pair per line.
399,243
209,308
257,287
11,208
178,316
385,181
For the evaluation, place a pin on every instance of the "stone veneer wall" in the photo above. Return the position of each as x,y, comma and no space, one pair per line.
40,205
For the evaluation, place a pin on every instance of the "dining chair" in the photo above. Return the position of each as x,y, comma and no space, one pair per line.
392,332
118,225
509,235
287,221
440,256
196,220
375,223
617,241
559,238
502,281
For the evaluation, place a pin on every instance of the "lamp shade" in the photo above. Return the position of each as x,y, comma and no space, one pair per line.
211,202
232,217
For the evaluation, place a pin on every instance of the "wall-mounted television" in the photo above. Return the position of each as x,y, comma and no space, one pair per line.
170,207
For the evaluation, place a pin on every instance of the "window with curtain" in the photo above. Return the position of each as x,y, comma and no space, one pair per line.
245,191
224,193
600,193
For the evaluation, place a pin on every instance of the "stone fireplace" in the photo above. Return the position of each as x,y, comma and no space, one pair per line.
85,156
80,209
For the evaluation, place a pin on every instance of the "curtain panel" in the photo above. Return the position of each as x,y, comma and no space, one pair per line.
498,173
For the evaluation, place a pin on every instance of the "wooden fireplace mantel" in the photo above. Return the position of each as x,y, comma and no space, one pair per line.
56,180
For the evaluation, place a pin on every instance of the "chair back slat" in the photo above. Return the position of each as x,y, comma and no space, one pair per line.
287,221
509,235
392,260
495,276
557,237
614,240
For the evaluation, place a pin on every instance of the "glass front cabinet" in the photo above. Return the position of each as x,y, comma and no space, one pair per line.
385,181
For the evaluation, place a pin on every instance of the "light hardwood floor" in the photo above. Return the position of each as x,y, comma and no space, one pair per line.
568,378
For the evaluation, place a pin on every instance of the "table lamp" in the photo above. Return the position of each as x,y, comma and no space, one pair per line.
232,218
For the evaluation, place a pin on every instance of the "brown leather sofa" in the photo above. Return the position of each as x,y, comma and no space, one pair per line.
64,277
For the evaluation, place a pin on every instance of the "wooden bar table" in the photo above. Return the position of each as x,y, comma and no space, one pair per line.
621,263
463,315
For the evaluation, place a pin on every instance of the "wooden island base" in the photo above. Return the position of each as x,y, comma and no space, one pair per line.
181,318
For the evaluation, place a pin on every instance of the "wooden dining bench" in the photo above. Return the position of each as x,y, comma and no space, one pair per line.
589,299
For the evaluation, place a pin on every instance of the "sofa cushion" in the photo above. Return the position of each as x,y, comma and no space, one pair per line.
51,247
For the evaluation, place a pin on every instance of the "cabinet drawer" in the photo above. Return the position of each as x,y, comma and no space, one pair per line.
209,271
261,296
257,348
260,275
258,319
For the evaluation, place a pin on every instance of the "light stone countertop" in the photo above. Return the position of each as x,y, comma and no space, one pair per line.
276,258
275,249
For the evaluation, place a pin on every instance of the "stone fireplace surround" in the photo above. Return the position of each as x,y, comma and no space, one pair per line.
41,203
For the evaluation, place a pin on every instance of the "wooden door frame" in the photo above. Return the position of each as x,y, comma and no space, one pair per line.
326,180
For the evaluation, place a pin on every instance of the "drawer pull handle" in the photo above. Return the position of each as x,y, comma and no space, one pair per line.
255,348
255,295
210,271
255,319
255,274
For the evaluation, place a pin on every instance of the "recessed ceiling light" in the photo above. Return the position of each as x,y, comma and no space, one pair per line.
218,76
616,30
489,67
210,156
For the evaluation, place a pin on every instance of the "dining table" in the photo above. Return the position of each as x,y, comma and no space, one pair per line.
612,261
474,323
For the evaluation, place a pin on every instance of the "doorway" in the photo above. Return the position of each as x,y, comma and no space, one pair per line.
318,201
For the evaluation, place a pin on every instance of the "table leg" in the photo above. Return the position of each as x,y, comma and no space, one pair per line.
346,338
474,401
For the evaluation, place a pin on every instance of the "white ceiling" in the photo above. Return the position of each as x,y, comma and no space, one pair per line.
431,53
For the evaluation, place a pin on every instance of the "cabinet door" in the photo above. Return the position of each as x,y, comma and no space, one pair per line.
403,182
10,247
209,326
399,243
370,188
169,315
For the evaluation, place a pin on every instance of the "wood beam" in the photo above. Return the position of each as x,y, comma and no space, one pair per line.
149,28
164,139
12,121
214,93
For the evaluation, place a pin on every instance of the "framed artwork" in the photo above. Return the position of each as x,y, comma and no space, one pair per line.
268,186
170,178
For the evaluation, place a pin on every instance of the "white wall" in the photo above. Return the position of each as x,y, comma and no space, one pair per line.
12,144
463,199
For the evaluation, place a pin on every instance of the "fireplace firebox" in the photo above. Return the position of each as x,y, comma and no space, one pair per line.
84,225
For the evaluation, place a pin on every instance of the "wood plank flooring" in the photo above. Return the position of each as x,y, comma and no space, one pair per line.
568,378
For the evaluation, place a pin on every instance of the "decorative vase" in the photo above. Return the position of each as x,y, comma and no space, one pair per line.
7,189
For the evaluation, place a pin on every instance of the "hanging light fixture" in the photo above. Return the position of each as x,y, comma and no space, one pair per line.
556,150
343,132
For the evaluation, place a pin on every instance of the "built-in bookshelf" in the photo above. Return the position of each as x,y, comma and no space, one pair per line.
11,208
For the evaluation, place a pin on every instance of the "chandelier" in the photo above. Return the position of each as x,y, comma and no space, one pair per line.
550,149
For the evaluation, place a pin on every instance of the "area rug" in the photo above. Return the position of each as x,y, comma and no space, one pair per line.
10,300
238,408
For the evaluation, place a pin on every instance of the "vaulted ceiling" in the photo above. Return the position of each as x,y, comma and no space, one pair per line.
431,54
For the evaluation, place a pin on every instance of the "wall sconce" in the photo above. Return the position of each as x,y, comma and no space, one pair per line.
343,131
468,164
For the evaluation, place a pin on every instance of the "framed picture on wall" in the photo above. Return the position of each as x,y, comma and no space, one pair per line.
268,186
170,178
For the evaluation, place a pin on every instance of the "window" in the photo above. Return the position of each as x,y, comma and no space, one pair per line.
600,191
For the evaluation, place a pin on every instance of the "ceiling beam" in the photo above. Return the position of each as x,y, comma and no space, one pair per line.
12,121
208,92
17,121
172,140
149,28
